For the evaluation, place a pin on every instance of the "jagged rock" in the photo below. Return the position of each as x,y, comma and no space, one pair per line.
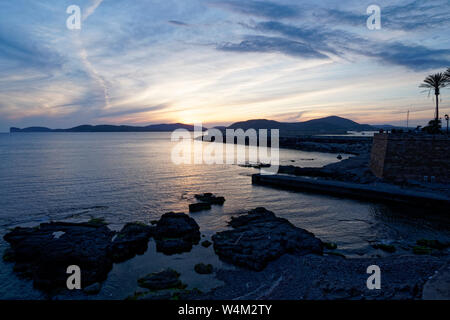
131,240
200,206
206,243
93,288
166,279
45,252
202,268
176,233
434,244
385,247
259,237
210,198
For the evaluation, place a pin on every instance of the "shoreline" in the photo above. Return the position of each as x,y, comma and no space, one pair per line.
282,261
380,192
313,277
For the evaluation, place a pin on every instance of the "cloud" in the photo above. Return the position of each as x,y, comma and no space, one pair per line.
415,15
344,43
414,57
27,53
91,9
134,111
92,71
273,44
178,23
260,8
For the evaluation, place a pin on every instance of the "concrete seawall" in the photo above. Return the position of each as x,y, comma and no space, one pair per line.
376,192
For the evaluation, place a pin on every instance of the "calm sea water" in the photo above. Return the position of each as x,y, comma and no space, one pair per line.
125,177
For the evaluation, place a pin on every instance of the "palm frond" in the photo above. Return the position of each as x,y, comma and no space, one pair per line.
436,81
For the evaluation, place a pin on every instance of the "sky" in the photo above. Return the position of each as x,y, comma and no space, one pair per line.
219,61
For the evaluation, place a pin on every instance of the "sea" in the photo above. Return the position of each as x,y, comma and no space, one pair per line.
125,177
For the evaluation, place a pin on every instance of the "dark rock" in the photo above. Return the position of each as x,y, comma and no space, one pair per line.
176,233
93,288
337,254
196,207
422,250
202,268
174,294
45,252
385,247
9,255
166,279
131,240
210,198
330,245
206,243
260,237
435,244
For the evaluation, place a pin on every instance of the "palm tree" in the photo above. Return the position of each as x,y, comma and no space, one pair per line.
436,81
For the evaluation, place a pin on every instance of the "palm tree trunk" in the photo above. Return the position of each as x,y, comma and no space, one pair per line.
437,109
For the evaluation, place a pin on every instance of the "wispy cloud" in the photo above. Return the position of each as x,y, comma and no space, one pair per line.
259,8
273,44
217,60
91,9
341,42
178,23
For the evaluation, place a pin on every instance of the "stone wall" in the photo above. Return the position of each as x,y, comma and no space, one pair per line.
407,156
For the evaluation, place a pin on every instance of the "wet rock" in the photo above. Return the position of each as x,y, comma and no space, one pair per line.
175,294
422,250
93,288
434,244
200,206
438,286
176,233
260,237
166,279
210,198
8,255
202,268
330,245
206,243
131,240
44,257
385,247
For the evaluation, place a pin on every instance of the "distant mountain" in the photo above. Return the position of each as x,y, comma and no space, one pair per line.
111,128
328,125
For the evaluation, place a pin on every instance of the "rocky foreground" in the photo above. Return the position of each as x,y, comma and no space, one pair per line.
43,253
274,260
315,277
260,237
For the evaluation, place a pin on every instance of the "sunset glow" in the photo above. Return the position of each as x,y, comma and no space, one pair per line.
217,62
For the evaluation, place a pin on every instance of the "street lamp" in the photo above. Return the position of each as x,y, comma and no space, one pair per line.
446,118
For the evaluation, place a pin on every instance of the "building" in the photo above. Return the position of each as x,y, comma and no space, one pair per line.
400,157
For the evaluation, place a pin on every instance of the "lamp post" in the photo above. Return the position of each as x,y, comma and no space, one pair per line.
446,119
